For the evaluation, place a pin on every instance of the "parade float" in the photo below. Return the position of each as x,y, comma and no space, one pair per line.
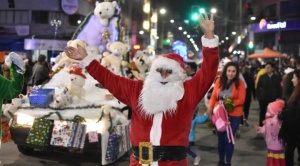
71,112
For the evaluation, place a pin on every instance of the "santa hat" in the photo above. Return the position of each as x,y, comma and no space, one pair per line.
171,57
275,107
76,70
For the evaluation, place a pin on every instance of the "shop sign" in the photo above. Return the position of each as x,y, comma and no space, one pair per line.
264,26
278,25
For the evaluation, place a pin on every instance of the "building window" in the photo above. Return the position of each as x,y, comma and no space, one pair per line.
290,8
40,17
9,17
270,11
21,17
75,19
2,16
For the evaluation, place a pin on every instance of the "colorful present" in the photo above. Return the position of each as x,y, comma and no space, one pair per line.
125,143
93,136
61,133
113,147
41,97
39,133
77,138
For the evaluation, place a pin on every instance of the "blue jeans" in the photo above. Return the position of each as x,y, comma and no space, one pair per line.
224,147
190,152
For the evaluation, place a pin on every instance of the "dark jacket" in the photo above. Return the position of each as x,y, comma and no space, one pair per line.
269,88
250,90
40,73
290,130
288,86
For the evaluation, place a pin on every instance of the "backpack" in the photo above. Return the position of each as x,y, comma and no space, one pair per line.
221,121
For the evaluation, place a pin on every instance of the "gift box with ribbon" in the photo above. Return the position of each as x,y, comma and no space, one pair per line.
113,147
61,133
39,133
125,143
77,137
41,97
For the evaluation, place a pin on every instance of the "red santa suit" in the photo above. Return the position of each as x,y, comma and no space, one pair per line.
160,129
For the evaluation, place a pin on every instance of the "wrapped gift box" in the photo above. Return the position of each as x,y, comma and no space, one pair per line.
77,137
125,143
61,133
113,147
40,132
41,97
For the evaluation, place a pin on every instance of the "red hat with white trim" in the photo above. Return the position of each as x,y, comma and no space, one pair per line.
176,58
77,70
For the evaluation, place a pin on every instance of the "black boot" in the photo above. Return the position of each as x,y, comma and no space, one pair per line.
221,163
228,164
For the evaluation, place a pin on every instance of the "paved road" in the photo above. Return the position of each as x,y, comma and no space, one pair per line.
250,150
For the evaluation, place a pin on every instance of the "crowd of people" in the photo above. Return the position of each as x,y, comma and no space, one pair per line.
276,88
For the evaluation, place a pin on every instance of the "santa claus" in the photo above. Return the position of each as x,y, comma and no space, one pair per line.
163,105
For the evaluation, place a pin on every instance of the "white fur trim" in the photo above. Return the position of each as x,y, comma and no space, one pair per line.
210,43
86,61
167,63
156,132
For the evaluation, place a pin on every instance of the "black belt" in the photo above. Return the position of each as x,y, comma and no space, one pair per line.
160,153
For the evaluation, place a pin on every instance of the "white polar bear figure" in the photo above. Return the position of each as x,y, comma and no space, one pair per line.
100,27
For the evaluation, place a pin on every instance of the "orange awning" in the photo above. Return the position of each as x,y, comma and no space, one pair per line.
268,53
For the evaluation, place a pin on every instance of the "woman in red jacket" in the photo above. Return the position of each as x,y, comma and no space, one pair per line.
231,86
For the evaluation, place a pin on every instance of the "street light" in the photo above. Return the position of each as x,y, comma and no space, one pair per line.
162,11
56,24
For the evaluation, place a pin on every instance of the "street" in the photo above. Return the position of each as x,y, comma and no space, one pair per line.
250,150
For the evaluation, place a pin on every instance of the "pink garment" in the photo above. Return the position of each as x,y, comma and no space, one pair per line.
271,129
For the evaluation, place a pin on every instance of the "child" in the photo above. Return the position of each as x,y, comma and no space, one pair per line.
270,129
196,120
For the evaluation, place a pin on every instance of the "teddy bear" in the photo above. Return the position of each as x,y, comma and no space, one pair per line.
75,86
94,51
63,59
104,11
114,60
62,99
100,26
142,64
11,108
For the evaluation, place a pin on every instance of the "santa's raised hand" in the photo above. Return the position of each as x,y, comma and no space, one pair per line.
74,53
207,25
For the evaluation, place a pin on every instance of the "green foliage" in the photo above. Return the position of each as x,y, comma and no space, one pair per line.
229,104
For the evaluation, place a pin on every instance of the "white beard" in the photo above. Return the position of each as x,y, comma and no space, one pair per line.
157,97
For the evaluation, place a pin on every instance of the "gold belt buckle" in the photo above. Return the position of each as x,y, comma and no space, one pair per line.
150,153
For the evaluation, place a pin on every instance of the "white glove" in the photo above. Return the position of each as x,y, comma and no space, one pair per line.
15,59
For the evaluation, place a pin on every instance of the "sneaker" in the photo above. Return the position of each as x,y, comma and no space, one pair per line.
197,160
246,122
221,163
